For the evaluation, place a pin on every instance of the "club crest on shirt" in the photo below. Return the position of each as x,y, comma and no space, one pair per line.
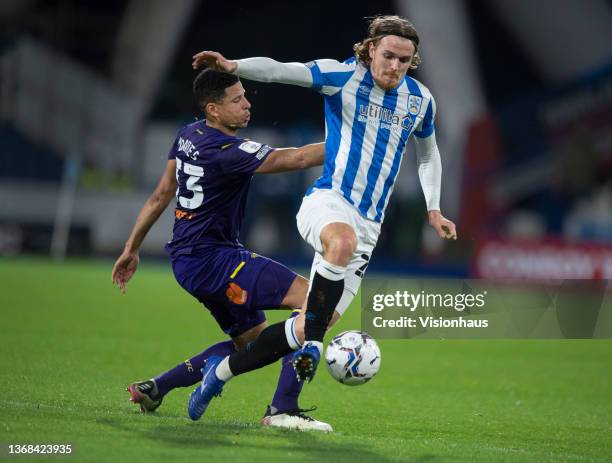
250,146
414,104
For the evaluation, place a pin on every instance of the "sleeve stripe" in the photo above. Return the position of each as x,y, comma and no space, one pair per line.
425,133
330,73
337,79
317,77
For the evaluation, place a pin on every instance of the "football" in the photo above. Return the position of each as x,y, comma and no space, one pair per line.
353,358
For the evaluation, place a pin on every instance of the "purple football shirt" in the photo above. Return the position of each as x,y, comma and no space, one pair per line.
213,172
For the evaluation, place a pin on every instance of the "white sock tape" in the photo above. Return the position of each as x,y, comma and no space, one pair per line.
292,338
330,271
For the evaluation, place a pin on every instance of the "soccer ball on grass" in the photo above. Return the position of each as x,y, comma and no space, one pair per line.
352,357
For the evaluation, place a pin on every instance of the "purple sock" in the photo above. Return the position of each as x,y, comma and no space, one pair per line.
188,373
288,388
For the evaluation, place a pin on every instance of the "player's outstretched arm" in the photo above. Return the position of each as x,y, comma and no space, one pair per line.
127,263
430,176
287,159
259,69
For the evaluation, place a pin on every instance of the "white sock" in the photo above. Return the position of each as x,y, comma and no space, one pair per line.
292,338
223,371
330,271
318,344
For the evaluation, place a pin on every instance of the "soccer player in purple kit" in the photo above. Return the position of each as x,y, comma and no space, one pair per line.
212,168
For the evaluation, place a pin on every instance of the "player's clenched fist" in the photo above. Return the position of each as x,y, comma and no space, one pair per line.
445,228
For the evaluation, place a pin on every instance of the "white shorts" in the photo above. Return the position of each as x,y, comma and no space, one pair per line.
323,207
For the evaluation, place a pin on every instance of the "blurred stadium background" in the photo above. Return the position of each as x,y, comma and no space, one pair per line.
92,94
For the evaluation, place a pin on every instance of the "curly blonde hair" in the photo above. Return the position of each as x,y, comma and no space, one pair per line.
381,26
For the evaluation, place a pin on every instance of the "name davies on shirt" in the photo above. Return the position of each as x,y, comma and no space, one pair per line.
381,117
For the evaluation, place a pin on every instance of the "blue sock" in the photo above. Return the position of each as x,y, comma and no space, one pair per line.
288,388
188,373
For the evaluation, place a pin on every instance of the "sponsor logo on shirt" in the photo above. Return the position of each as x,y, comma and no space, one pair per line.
250,147
384,118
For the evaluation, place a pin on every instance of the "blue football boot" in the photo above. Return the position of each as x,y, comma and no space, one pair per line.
305,362
211,387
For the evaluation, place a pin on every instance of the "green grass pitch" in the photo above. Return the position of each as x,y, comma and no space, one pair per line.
71,343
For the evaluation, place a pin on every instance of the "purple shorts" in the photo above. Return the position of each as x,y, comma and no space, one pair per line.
234,284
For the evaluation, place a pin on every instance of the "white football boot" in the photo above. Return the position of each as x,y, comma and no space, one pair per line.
294,419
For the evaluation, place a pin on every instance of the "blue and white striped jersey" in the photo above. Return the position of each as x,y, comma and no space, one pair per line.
366,131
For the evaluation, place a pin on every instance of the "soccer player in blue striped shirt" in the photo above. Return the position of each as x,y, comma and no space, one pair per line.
372,108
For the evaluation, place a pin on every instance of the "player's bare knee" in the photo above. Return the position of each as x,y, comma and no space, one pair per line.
339,243
340,250
340,247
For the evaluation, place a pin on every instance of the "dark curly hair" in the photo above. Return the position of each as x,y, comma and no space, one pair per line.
381,26
209,86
